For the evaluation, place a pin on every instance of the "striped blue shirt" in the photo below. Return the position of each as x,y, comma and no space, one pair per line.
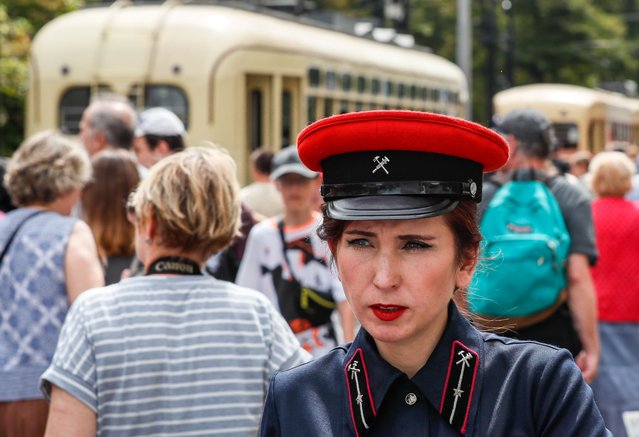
176,355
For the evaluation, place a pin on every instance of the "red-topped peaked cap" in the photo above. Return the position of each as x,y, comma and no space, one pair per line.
399,164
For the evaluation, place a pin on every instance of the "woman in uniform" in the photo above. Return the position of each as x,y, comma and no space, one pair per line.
400,219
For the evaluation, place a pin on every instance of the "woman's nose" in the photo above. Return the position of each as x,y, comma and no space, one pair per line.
387,276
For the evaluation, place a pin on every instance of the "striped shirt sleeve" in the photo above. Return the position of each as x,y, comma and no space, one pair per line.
73,367
285,350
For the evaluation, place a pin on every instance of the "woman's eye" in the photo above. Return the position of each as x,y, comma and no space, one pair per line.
358,242
416,245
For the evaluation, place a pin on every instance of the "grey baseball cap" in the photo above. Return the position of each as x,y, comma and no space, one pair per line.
288,161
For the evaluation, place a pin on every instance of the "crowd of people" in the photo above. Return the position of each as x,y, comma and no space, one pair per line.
145,293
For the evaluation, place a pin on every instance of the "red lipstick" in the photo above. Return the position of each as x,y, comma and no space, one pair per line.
387,313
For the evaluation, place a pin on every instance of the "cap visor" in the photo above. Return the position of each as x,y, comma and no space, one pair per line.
293,168
389,207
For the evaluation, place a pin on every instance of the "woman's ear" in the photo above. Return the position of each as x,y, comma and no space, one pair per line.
152,226
148,227
466,269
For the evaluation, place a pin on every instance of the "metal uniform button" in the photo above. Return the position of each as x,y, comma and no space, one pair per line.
410,399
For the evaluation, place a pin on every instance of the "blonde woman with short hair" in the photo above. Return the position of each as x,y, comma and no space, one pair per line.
616,221
173,352
49,259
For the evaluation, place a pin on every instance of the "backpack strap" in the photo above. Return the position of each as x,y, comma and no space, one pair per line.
280,228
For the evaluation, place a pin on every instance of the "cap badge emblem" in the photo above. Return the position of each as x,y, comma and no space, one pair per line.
380,163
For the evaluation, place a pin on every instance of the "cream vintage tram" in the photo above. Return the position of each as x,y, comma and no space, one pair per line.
584,118
237,77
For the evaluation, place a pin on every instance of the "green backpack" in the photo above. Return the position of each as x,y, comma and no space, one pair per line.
523,254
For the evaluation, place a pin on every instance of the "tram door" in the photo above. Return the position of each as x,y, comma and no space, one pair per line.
273,111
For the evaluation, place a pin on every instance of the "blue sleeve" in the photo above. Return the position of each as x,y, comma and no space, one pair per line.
565,403
270,426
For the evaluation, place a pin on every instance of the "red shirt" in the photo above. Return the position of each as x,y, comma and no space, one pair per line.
616,274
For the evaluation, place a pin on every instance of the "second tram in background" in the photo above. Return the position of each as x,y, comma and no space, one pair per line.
236,77
584,118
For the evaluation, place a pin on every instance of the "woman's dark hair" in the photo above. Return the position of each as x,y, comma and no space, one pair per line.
462,221
115,175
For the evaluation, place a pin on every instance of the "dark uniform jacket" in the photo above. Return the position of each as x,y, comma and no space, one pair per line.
475,384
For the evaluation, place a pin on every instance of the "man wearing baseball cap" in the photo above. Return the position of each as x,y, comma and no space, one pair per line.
571,322
285,259
159,133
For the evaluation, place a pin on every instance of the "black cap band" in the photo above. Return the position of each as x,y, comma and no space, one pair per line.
398,172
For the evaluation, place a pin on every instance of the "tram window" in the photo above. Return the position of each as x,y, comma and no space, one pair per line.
328,107
387,88
401,90
331,80
169,97
375,86
361,84
347,82
312,108
255,120
314,77
287,117
359,106
423,93
435,95
136,97
567,135
343,107
413,92
72,105
444,96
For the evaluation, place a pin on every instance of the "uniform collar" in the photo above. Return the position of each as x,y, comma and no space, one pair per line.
439,372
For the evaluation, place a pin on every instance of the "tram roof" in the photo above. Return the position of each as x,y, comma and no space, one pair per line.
563,96
212,31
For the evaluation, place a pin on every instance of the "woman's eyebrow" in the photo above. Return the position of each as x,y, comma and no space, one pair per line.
359,232
404,237
417,237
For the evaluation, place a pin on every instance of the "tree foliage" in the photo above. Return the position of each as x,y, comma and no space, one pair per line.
14,45
19,20
516,42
